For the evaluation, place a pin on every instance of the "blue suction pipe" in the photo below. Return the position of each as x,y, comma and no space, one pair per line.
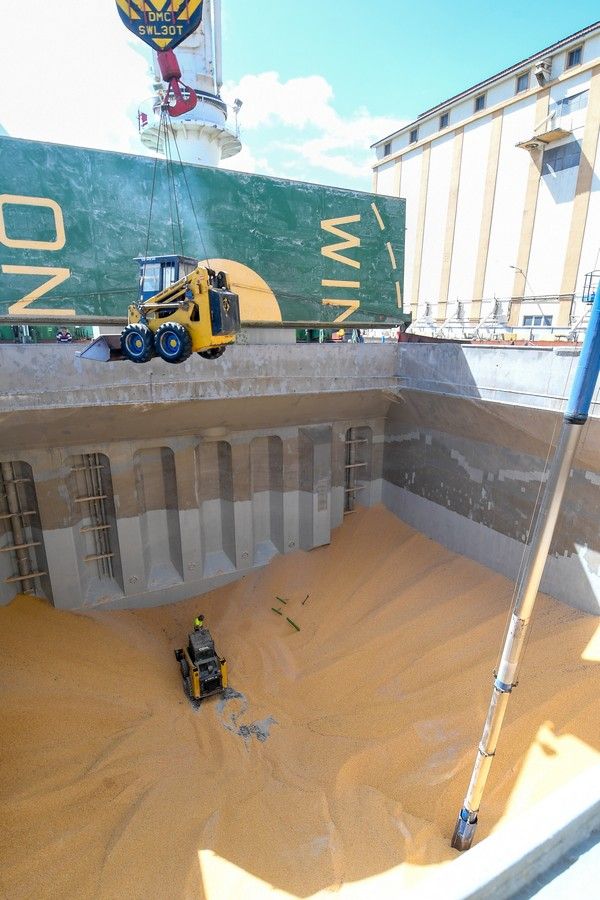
575,417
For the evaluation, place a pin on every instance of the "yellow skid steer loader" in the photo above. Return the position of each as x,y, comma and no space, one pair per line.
197,313
204,672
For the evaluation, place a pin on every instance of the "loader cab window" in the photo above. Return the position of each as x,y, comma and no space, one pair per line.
169,274
160,272
151,279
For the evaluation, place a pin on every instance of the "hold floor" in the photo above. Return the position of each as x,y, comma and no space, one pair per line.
367,720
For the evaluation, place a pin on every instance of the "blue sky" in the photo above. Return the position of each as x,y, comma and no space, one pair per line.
382,62
320,81
370,51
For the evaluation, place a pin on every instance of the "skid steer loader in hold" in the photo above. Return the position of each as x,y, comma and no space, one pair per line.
204,672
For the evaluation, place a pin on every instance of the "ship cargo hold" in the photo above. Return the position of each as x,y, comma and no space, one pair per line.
349,517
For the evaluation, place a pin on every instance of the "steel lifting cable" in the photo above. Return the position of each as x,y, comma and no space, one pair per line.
189,193
163,130
173,194
166,127
153,189
170,189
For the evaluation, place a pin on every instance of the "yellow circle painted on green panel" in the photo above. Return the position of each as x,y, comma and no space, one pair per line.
258,303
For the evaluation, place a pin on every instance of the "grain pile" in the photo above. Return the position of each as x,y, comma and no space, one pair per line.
113,786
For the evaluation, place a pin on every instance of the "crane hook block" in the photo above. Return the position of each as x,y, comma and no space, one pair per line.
179,97
169,67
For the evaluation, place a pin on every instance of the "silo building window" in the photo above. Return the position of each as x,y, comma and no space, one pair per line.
574,57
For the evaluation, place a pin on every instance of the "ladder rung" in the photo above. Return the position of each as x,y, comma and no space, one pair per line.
89,499
85,468
358,441
26,512
353,489
87,528
12,578
355,465
92,556
17,480
20,546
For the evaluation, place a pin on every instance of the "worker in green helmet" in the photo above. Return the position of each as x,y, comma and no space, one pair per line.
198,622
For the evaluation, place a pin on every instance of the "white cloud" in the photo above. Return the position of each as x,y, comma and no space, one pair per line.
78,77
297,102
297,128
246,161
82,76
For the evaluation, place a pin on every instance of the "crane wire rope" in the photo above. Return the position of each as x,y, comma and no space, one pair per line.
152,193
169,175
174,194
189,193
170,189
165,126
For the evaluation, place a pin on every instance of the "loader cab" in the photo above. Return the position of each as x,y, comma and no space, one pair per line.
159,272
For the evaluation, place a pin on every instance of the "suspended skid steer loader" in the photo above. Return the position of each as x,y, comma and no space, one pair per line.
196,314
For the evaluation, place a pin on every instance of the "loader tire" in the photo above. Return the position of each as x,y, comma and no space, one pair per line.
213,353
137,343
172,342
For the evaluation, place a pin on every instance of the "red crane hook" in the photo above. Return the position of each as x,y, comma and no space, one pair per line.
176,103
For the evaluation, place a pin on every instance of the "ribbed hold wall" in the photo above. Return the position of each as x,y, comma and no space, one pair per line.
158,508
93,522
467,430
199,504
131,524
266,472
215,478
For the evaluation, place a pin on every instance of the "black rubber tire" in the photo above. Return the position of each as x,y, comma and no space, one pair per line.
185,669
213,353
131,335
177,334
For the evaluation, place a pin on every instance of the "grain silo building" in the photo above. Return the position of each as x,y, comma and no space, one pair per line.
502,183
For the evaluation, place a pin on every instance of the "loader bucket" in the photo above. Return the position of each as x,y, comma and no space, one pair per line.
106,348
